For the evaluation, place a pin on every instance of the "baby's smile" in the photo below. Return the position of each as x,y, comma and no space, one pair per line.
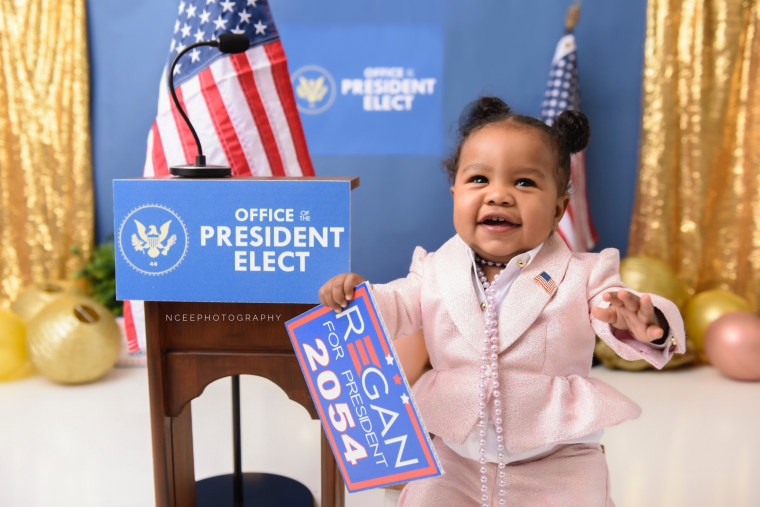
497,222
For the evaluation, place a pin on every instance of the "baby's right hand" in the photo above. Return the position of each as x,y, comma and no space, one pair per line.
339,290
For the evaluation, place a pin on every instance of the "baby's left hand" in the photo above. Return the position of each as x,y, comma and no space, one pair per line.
631,313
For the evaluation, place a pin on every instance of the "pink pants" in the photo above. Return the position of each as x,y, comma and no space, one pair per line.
574,474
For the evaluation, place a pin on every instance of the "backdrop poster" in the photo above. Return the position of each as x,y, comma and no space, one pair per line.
368,90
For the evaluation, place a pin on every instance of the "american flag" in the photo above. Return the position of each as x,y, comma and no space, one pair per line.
545,281
241,105
562,93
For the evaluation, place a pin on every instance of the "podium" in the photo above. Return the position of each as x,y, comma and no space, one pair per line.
168,255
183,358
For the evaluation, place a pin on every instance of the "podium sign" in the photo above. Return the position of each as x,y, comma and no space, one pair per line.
362,395
230,240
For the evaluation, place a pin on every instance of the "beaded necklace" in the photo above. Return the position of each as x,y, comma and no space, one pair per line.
489,354
486,262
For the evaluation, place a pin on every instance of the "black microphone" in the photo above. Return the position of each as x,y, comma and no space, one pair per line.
227,43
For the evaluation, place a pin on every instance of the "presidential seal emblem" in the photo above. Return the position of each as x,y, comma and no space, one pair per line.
153,239
315,89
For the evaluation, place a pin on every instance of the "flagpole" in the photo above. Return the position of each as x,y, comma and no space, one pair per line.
571,18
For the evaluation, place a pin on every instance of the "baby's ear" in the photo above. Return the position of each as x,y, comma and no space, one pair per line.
562,202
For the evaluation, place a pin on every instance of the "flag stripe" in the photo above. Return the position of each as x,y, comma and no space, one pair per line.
129,328
225,131
157,153
253,99
262,73
285,91
200,115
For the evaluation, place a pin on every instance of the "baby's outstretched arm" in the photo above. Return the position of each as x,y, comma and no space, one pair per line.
339,290
631,313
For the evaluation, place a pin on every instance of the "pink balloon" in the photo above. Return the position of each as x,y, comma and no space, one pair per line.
732,344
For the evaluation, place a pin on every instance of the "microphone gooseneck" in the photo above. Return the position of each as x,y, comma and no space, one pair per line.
227,43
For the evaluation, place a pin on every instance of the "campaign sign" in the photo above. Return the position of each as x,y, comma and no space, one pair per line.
368,89
238,240
362,395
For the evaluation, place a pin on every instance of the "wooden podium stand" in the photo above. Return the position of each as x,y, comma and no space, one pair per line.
185,356
193,343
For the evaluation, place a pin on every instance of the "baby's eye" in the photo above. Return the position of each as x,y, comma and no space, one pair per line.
525,182
478,178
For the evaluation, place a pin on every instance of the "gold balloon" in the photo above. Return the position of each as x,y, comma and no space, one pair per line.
13,355
653,276
74,339
34,298
704,308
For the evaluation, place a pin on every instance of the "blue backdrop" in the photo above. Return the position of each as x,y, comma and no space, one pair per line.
500,47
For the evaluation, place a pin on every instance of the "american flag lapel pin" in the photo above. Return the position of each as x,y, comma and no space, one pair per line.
545,281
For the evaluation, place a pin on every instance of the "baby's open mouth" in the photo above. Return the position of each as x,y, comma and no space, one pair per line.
496,221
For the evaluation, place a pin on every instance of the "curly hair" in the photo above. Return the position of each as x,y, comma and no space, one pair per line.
569,133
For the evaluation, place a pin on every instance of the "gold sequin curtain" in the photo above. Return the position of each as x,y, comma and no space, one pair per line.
697,204
45,163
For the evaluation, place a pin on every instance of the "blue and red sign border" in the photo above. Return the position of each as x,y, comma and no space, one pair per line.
431,467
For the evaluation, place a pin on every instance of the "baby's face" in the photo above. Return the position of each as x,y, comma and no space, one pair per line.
506,199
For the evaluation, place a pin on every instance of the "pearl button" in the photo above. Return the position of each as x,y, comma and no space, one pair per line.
521,263
483,306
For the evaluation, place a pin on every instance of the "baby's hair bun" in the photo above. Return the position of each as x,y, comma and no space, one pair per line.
573,129
481,111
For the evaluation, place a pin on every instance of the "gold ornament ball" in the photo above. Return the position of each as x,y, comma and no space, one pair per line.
35,297
653,276
704,308
73,340
13,355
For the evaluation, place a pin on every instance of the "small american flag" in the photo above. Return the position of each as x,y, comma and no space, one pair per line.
545,281
562,93
241,105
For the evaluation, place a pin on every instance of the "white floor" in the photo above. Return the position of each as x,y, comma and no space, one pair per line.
697,443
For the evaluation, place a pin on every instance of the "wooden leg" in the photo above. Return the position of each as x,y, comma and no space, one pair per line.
173,462
172,437
182,459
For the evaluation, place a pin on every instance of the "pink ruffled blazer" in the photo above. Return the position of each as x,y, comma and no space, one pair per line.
547,337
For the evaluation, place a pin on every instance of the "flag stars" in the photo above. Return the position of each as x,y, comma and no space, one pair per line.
210,1
252,2
199,35
177,68
204,16
227,5
260,27
191,11
237,30
186,31
389,359
244,17
182,7
220,23
176,26
195,55
405,399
